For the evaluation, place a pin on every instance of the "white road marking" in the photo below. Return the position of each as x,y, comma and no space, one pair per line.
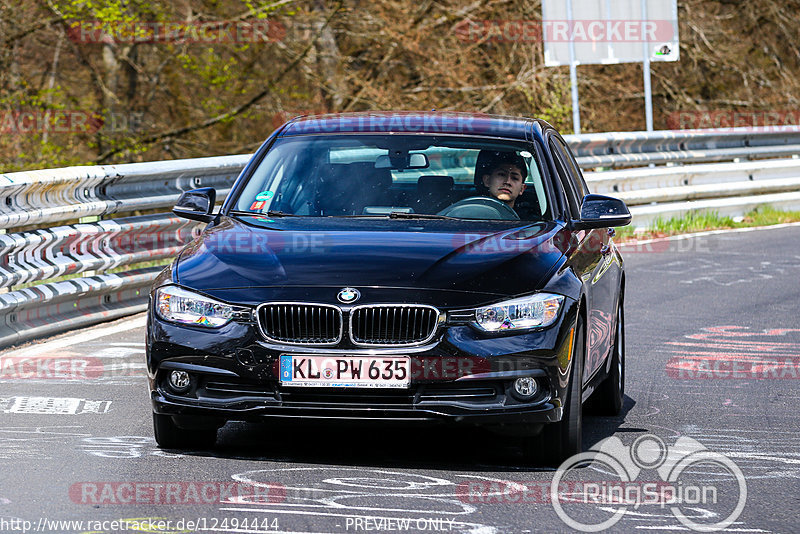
123,447
41,431
758,456
706,233
678,527
115,352
397,487
52,405
245,531
477,526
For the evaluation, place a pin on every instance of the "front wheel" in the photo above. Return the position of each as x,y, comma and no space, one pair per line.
608,398
559,441
170,436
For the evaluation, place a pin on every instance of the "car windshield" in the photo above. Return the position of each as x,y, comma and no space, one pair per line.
398,176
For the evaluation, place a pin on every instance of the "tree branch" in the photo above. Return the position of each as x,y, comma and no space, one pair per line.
24,33
238,110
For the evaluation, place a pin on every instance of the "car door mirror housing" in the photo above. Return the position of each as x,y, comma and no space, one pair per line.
196,204
599,211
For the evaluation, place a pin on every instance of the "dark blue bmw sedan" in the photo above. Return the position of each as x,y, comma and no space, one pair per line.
430,267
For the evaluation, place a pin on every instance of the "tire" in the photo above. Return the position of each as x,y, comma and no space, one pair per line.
559,441
609,396
170,436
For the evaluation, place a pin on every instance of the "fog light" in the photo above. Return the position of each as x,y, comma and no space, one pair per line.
179,381
526,387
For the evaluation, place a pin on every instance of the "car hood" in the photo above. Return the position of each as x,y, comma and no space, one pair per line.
490,257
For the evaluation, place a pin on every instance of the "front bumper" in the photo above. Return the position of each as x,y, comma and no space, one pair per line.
461,376
480,402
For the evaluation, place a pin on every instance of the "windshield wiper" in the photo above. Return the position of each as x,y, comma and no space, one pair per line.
404,215
269,213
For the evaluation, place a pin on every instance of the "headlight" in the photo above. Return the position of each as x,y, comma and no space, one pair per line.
536,310
183,306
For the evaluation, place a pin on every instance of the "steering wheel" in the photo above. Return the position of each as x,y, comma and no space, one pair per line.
480,208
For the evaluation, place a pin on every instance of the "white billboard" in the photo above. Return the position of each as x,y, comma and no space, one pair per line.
609,31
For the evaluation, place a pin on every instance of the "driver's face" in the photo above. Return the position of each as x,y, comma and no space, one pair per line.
505,183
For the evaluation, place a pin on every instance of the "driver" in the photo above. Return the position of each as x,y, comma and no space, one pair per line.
504,176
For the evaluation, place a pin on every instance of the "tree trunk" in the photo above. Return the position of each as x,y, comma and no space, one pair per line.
326,53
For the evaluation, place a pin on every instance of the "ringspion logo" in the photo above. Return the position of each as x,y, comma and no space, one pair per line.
691,477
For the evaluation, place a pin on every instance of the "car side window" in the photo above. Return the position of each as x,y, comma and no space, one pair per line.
567,183
572,165
573,170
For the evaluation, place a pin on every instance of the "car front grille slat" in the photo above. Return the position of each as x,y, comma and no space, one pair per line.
433,393
322,324
393,324
350,397
232,388
307,324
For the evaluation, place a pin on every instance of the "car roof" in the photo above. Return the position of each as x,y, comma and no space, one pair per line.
417,122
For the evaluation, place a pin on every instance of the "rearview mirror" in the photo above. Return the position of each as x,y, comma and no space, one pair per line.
418,161
403,162
600,211
196,204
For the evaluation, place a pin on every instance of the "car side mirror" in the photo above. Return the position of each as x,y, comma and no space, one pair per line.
600,211
196,204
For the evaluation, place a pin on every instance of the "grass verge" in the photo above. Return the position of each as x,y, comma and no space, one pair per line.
701,221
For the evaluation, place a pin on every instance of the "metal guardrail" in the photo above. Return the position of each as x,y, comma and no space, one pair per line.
627,149
38,198
35,249
56,195
726,188
64,250
48,309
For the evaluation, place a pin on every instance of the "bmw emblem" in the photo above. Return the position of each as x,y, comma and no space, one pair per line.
348,294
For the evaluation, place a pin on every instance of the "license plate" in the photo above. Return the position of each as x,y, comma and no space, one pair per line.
345,371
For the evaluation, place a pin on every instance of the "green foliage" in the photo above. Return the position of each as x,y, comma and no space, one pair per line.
376,55
767,215
694,221
623,233
558,109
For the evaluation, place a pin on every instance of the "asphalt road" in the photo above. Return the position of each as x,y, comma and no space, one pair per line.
713,347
